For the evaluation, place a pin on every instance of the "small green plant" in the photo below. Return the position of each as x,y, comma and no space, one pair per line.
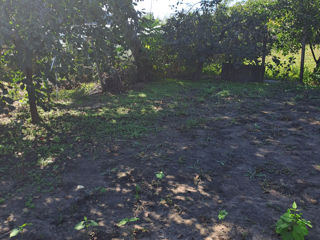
222,214
253,173
222,163
29,203
19,229
181,160
100,190
159,175
2,200
138,190
85,224
291,225
127,220
56,139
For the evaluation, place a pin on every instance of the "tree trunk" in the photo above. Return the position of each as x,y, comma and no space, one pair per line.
101,79
198,71
263,64
315,58
98,68
144,67
303,53
35,118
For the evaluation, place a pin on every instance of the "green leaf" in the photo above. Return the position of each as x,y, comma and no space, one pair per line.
123,222
281,226
133,219
308,223
14,232
294,205
25,225
93,223
126,220
299,232
80,226
222,214
286,235
19,229
160,175
286,217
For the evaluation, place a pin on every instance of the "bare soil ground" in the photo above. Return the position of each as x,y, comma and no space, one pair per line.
249,155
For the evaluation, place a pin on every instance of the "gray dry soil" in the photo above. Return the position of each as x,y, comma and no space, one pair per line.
252,158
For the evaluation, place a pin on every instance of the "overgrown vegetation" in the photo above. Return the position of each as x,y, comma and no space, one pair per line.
47,46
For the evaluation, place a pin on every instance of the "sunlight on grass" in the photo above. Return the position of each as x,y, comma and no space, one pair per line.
98,119
44,162
224,93
84,90
142,95
123,111
294,74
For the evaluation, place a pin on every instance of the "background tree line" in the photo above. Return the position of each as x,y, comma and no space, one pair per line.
48,44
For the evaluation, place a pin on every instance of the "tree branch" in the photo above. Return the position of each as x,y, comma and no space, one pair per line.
314,55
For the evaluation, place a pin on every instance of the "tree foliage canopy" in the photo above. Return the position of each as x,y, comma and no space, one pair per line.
47,43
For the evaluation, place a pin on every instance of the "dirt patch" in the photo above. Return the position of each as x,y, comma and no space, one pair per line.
250,157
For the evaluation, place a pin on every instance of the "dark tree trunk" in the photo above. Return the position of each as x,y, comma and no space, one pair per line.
263,64
35,118
101,78
198,71
317,60
303,53
99,70
317,67
144,67
28,71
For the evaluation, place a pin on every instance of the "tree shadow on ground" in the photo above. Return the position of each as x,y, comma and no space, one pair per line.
218,149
